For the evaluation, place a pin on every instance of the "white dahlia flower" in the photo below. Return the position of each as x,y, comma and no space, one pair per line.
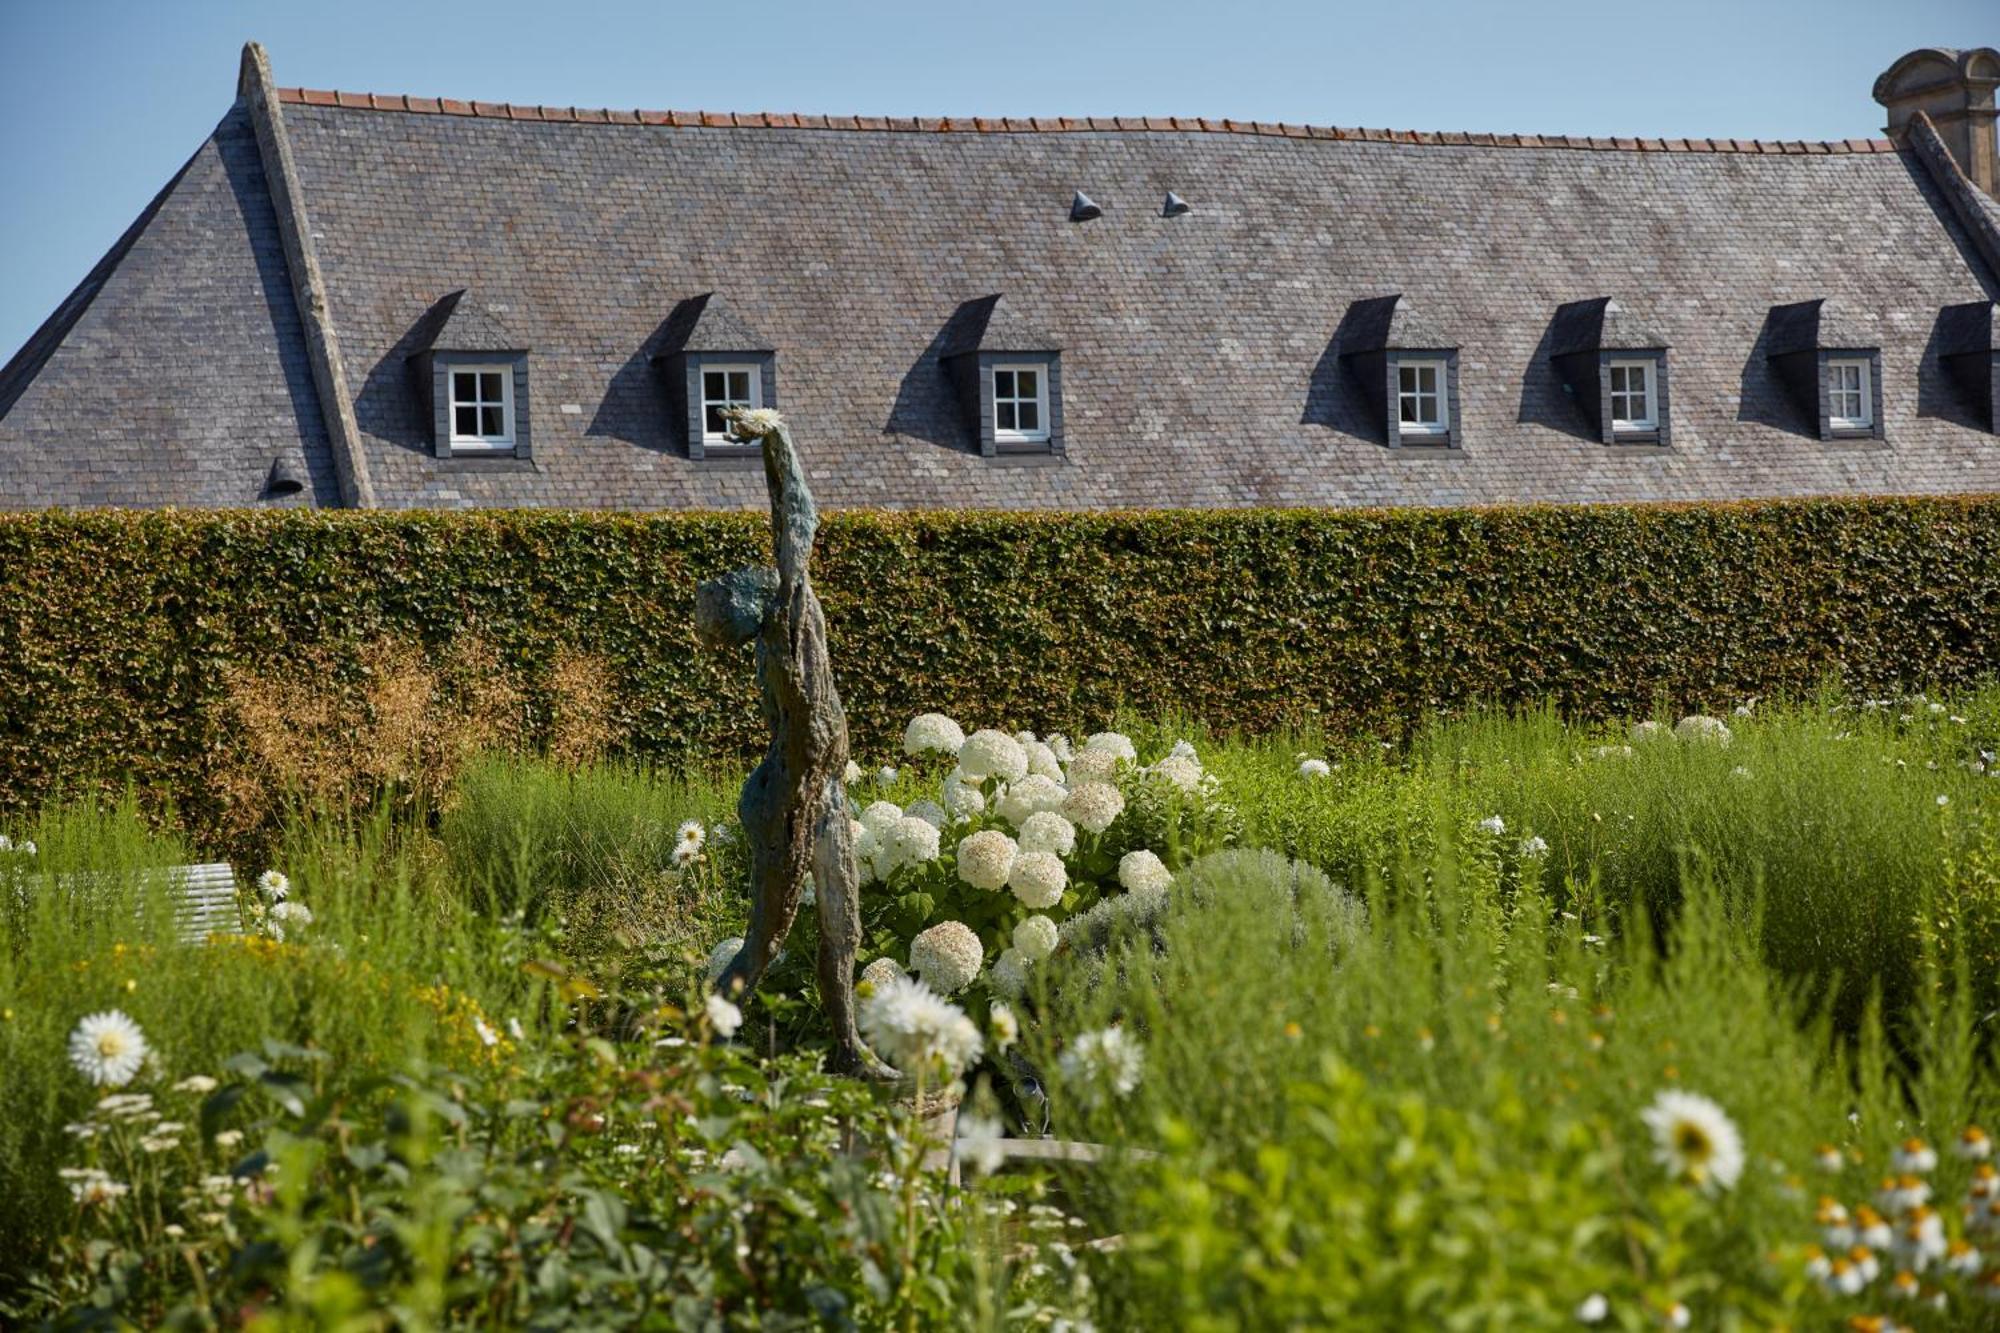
962,795
947,956
1694,1140
986,859
721,956
108,1048
1113,743
1035,938
1700,727
1102,1061
723,1016
882,970
932,731
1005,1027
1093,806
273,885
1042,761
880,817
1047,831
912,1028
691,838
993,754
1093,766
1143,872
1030,795
1009,976
1182,771
1038,879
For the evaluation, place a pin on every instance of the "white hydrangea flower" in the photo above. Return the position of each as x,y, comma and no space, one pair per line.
1100,1062
1314,768
1181,771
1029,796
986,859
882,970
863,840
911,842
6,843
1093,806
1493,824
979,1143
1009,975
723,1016
721,956
1142,872
1059,746
27,847
851,774
947,956
880,817
1042,761
1047,831
1038,879
1534,846
1114,743
274,886
962,795
993,754
1700,727
1025,736
1035,938
107,1048
930,812
1093,766
932,732
912,1028
1647,731
887,774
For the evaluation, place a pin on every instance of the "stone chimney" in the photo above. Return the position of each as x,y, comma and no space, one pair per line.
1955,89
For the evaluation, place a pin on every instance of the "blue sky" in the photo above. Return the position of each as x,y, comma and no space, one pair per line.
103,101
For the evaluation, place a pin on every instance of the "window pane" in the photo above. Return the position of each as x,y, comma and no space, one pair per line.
1003,384
465,421
1427,379
1025,379
739,386
490,421
1409,409
1003,415
463,386
1031,414
712,421
1406,379
714,384
489,386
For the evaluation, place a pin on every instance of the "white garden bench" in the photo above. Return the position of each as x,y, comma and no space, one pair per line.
203,896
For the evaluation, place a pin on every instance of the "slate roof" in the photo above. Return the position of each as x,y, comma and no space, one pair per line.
1199,362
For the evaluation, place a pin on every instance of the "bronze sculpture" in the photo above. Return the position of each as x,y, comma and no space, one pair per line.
794,805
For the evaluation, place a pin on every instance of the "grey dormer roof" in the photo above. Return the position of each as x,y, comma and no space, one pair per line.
1601,324
992,324
1809,326
1390,323
459,322
707,323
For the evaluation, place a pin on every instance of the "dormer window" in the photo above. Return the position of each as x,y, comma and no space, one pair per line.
1407,371
471,377
724,387
1827,357
1020,405
1420,398
482,407
1850,403
1008,379
1633,397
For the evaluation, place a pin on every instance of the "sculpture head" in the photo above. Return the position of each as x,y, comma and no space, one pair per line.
730,610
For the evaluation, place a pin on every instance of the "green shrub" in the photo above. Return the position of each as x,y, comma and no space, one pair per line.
118,631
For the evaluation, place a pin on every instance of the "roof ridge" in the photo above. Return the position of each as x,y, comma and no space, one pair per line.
789,120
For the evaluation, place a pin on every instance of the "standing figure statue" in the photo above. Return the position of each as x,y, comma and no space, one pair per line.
794,806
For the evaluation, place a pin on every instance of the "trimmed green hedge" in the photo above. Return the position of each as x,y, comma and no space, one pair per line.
115,627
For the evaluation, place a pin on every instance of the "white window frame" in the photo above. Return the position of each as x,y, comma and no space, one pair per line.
1864,392
756,399
1650,371
1439,396
501,443
1040,370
